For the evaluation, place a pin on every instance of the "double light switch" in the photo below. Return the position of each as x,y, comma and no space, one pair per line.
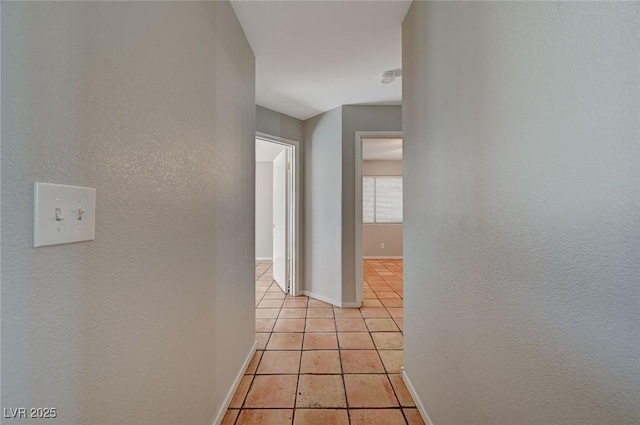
63,214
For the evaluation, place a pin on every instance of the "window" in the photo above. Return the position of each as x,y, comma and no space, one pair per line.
382,199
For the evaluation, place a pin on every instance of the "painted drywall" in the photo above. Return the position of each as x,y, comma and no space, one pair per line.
373,235
522,211
280,125
264,209
277,124
357,118
152,104
323,206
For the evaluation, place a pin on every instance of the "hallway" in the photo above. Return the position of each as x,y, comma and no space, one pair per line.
319,364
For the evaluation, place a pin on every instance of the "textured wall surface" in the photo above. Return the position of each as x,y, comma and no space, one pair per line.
522,211
323,202
277,124
264,209
357,118
375,234
152,103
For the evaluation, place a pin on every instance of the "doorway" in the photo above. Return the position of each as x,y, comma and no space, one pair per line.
379,199
277,209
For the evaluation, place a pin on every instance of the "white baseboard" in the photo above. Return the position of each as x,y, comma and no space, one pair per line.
264,258
421,409
234,387
383,257
321,298
351,305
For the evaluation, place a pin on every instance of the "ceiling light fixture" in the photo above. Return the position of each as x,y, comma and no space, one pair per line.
389,77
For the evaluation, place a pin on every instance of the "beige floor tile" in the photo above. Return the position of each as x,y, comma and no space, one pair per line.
376,416
401,391
320,341
400,323
265,325
387,340
392,360
351,325
270,304
371,302
319,313
267,313
321,417
253,365
396,313
381,287
318,304
374,312
262,338
355,341
289,325
392,302
373,278
292,313
369,391
285,341
318,391
381,325
344,313
295,302
279,363
413,417
273,391
361,361
382,295
265,417
320,362
320,325
241,392
230,417
273,295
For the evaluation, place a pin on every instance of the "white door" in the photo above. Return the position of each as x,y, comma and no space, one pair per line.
280,220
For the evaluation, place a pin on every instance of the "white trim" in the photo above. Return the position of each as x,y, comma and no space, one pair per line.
296,164
352,305
234,387
421,409
321,298
383,257
264,258
359,222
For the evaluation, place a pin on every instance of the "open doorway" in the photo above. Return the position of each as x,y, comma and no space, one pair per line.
379,211
276,211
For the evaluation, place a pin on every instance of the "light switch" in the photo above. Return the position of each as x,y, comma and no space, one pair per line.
63,214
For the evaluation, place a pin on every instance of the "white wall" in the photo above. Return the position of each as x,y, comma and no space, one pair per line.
375,234
522,212
323,206
276,124
264,209
357,118
152,103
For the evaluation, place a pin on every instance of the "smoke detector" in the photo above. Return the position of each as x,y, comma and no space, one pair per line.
389,77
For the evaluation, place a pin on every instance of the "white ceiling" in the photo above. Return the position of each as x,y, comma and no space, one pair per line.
312,56
382,149
266,151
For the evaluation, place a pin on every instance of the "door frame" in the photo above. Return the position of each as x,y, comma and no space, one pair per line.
295,206
359,221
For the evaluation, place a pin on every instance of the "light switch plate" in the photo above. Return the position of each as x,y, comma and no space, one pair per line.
63,214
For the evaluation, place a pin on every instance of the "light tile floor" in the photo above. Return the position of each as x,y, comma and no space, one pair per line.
319,364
